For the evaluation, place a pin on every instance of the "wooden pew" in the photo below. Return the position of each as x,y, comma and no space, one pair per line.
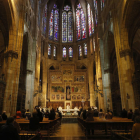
46,126
104,125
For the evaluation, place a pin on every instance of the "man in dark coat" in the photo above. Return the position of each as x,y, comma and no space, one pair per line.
8,131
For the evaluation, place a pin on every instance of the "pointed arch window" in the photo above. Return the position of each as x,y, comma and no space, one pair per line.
49,50
94,43
54,24
85,49
102,4
67,28
64,52
54,51
39,12
90,20
70,52
96,12
44,20
80,23
80,51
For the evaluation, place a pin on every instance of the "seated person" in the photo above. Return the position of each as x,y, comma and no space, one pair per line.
16,125
18,114
130,114
90,115
108,115
124,113
4,116
8,131
40,115
52,114
84,114
34,122
47,114
95,113
101,114
28,114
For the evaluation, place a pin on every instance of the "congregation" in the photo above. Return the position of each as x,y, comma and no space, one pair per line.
11,129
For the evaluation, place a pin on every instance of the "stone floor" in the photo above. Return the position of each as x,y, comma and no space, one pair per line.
69,131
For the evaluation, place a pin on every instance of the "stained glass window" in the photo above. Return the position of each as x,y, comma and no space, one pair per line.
44,20
70,27
49,49
80,23
54,24
54,51
85,49
39,12
70,52
94,43
67,28
64,52
80,50
64,27
102,4
96,11
90,20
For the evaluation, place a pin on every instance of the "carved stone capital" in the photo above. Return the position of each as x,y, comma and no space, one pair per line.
29,71
11,54
124,53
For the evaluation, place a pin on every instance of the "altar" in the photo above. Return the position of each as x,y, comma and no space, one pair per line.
69,111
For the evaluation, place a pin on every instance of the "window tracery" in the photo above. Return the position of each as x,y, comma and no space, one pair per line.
67,28
54,24
80,23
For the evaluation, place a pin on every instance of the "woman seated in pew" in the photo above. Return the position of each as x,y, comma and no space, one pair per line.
90,115
101,114
18,114
16,125
108,115
34,122
130,114
52,114
47,114
27,115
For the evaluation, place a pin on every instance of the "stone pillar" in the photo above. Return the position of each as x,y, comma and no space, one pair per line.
12,63
124,62
10,60
100,84
91,83
105,65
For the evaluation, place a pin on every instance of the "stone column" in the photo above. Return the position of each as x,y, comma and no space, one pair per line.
10,60
124,62
12,63
91,83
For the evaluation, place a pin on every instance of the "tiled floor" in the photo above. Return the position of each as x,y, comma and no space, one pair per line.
68,131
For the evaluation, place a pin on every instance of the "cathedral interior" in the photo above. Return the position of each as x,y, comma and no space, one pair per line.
66,52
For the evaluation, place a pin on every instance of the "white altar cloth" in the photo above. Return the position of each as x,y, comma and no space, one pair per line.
70,109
